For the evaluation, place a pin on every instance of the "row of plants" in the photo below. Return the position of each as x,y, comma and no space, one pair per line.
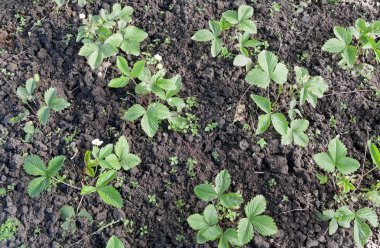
110,35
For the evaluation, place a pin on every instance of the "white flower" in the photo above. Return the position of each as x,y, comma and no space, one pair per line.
160,66
97,142
158,57
82,16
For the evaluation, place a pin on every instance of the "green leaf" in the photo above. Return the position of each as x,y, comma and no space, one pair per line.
110,196
114,242
255,206
231,200
222,182
115,39
133,36
197,222
231,16
211,215
59,104
37,185
264,225
230,236
66,212
205,192
130,161
33,165
334,46
105,151
122,147
159,111
215,28
105,178
43,114
134,112
369,215
347,165
349,55
122,65
245,231
216,47
263,103
280,74
248,26
298,127
244,12
333,226
166,84
375,154
263,123
138,67
119,82
55,165
280,123
362,232
337,150
49,95
325,162
203,35
211,232
258,78
149,124
86,189
113,160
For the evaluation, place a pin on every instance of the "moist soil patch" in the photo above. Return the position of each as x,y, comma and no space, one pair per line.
96,112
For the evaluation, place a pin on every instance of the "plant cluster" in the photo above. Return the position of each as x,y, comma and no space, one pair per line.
8,229
104,34
268,70
69,218
223,206
355,44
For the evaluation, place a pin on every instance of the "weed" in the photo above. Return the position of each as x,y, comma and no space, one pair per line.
211,126
9,228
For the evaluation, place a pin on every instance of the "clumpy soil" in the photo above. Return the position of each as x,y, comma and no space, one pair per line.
96,111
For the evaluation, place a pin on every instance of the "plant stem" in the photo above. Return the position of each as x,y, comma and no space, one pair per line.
67,184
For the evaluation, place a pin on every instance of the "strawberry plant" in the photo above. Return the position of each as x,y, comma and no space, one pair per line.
354,42
343,217
104,34
34,166
26,93
207,224
52,102
69,217
108,159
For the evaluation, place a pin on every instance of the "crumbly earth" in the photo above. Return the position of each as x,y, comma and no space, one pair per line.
96,112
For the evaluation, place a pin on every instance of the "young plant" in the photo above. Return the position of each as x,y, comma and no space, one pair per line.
109,159
268,70
241,18
26,93
343,218
52,103
8,229
351,49
255,221
207,224
212,35
34,166
69,218
335,161
311,88
104,34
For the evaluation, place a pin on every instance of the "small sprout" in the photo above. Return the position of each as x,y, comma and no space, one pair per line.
8,229
262,143
322,178
211,126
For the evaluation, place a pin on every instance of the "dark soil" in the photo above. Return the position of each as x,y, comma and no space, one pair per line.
96,111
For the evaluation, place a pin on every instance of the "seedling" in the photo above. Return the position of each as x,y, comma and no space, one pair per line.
26,93
69,218
104,34
353,42
262,143
190,164
34,166
144,231
343,218
211,126
322,178
110,159
52,103
207,224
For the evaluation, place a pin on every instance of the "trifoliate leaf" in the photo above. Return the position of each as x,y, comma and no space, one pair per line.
245,12
133,36
115,39
110,196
